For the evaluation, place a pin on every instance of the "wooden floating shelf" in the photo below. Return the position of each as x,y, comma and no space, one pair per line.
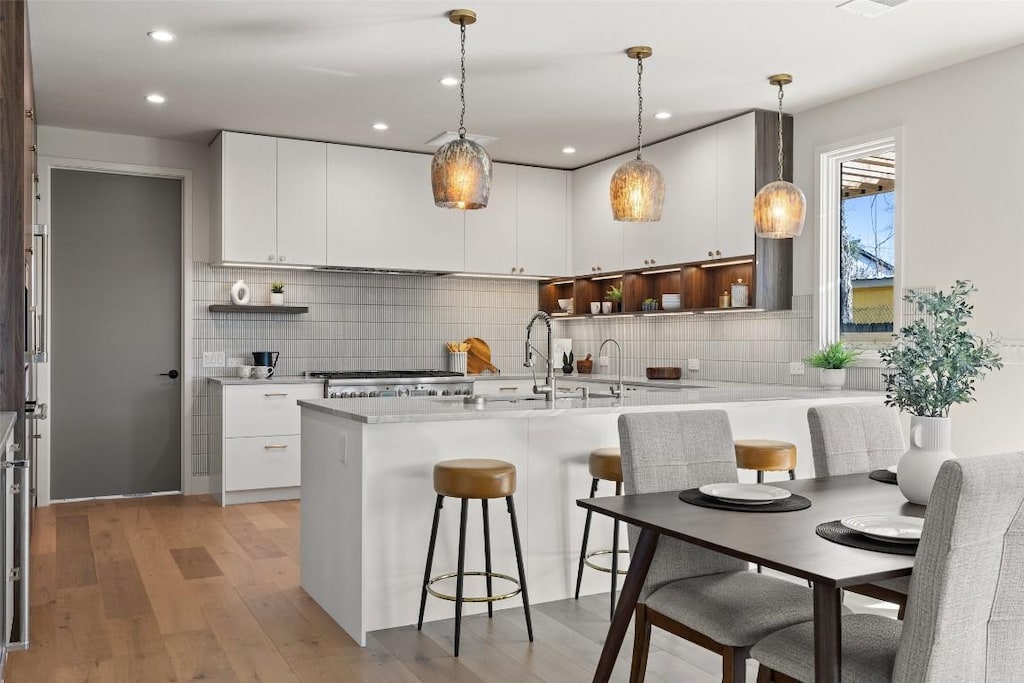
232,308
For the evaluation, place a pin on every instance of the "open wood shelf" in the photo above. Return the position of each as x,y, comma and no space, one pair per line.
285,310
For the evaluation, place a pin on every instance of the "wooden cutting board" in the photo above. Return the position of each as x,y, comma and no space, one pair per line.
479,358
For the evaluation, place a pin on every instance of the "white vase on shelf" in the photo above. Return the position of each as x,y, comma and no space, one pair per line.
240,293
277,298
930,446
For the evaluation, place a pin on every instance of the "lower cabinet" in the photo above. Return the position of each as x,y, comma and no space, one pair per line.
255,445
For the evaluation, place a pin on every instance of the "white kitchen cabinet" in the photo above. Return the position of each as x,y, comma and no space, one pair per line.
542,235
735,154
596,236
491,231
381,213
254,440
301,202
245,191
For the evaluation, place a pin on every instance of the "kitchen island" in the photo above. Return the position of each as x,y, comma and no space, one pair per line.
367,495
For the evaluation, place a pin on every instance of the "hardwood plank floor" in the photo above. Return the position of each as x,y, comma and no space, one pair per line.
177,588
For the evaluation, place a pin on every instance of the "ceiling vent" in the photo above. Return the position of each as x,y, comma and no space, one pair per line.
869,8
449,135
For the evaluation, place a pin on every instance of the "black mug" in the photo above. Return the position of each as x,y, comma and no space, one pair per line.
267,358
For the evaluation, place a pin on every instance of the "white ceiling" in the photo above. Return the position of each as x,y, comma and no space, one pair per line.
541,74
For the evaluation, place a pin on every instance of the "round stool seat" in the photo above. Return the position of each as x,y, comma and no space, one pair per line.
475,478
765,455
606,464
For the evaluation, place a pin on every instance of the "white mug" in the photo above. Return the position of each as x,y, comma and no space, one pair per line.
245,371
595,307
264,372
606,306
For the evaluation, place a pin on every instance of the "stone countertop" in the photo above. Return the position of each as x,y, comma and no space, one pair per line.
602,378
7,421
449,408
283,379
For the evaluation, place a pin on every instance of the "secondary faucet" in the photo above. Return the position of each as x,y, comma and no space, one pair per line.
615,391
547,389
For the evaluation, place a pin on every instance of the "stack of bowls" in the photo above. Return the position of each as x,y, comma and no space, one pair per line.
671,302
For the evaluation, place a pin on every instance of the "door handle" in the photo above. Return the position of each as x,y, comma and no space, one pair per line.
20,571
173,374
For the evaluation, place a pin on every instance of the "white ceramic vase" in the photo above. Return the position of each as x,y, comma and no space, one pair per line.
240,293
277,298
833,379
930,442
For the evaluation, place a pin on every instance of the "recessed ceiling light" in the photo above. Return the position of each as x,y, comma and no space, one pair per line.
663,115
155,98
449,81
380,126
568,150
161,36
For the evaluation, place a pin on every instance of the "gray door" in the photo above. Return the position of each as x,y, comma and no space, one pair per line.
116,326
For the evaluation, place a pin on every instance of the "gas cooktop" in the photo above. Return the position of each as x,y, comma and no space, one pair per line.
381,374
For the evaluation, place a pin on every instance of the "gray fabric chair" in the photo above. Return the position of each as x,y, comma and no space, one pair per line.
848,439
966,616
705,597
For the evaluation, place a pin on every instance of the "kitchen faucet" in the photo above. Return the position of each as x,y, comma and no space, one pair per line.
615,391
547,389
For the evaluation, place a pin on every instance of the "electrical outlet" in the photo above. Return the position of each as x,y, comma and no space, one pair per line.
693,364
796,368
213,359
236,362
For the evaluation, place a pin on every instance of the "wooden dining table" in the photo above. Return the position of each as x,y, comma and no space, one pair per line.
784,541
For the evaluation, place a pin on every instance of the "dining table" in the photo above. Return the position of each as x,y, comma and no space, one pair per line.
783,541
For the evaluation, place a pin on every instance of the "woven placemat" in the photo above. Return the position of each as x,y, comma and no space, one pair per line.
837,533
884,476
791,504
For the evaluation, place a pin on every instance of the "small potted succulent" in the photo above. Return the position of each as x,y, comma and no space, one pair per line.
833,361
650,305
277,293
567,359
614,294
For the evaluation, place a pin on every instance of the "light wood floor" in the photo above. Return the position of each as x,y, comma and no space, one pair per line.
179,589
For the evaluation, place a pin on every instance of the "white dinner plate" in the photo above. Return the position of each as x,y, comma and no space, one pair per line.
745,494
891,468
897,528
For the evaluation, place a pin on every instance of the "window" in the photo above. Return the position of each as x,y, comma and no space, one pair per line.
859,274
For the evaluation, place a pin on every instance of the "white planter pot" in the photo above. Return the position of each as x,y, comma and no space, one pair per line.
833,380
277,298
930,441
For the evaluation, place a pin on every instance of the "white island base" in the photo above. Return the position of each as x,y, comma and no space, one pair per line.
368,498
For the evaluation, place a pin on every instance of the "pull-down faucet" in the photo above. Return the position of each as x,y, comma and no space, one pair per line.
547,389
617,390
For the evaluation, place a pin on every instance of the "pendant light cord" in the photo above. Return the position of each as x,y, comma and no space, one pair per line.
780,131
462,81
640,106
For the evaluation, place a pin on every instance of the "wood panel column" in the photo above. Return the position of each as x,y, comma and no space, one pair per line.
12,211
774,267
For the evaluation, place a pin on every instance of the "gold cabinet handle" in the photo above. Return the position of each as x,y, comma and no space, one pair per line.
275,446
278,393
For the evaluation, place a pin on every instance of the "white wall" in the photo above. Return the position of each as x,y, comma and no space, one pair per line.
130,149
963,165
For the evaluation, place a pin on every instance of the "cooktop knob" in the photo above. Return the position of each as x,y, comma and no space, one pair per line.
374,394
403,392
445,392
432,392
362,394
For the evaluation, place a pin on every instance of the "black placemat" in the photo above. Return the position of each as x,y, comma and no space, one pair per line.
837,533
884,476
791,504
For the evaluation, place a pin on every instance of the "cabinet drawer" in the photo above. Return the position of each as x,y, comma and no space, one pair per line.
265,409
261,462
492,387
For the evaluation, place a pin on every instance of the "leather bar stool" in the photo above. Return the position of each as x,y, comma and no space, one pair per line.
765,455
605,465
482,480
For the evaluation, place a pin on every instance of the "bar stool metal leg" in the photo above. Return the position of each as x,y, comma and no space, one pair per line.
586,534
615,553
460,579
487,556
519,563
430,559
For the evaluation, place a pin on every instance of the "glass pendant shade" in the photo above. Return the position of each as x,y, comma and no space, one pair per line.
779,210
461,175
637,192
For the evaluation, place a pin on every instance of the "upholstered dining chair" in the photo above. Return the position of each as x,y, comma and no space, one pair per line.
965,620
849,439
697,594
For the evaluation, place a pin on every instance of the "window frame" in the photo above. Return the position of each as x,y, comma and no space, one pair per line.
828,194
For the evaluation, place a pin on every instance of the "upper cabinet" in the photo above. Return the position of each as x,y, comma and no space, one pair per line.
269,200
491,232
381,213
596,237
735,154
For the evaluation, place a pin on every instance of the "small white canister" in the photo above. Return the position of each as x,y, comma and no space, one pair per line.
740,294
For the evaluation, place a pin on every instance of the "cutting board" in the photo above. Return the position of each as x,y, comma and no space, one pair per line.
479,358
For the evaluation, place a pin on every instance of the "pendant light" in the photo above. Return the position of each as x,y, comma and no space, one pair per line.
780,206
637,189
461,170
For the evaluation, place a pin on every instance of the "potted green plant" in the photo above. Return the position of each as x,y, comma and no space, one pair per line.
833,361
277,293
614,294
650,304
933,364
